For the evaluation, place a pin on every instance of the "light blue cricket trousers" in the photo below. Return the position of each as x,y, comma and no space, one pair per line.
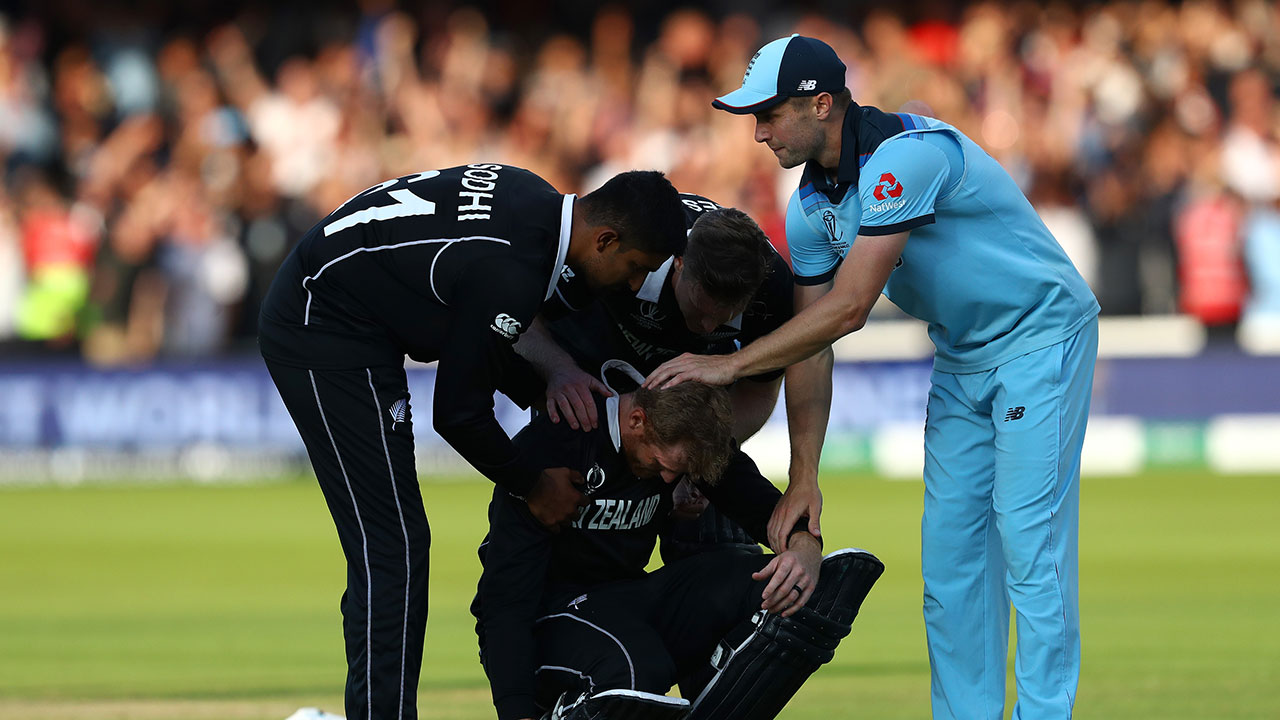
1001,524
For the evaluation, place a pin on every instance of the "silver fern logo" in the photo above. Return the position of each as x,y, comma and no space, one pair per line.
397,410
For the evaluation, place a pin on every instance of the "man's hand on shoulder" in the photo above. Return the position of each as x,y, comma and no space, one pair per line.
569,394
556,496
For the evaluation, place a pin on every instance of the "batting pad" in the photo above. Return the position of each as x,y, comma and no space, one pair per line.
761,664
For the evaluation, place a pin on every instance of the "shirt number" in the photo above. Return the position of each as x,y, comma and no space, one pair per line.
406,204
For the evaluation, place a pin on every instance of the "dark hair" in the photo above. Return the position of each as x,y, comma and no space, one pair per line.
643,208
840,101
695,415
727,255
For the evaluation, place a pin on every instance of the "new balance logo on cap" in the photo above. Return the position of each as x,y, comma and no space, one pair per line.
807,85
506,326
1015,413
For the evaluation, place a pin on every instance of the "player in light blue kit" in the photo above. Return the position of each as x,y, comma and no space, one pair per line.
908,206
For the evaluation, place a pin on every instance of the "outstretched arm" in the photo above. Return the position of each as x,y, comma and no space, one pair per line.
808,409
753,403
472,361
569,387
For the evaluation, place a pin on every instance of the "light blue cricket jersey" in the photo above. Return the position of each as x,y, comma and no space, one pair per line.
979,266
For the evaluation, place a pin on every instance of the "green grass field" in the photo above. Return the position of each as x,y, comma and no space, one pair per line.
222,602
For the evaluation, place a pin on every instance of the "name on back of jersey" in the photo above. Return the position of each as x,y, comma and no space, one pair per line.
698,204
478,182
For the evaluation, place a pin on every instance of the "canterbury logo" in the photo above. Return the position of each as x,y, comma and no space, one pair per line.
397,411
807,85
1015,413
506,326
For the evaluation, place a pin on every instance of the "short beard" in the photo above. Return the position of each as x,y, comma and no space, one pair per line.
791,160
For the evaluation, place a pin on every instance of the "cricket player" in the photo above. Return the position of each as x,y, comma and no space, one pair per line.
448,266
570,623
728,288
908,206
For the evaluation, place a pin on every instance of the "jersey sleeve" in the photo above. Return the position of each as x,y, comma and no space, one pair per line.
548,445
813,258
743,494
747,497
899,186
488,316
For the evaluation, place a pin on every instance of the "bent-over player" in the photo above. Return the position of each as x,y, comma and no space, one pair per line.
445,265
908,206
726,289
573,618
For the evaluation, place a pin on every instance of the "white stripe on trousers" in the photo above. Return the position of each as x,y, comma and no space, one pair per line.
630,665
364,539
404,629
591,684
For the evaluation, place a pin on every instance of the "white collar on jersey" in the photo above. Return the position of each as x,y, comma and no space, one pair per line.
611,404
652,289
652,286
611,414
566,228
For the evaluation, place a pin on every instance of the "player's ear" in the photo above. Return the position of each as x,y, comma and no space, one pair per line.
605,237
822,105
637,419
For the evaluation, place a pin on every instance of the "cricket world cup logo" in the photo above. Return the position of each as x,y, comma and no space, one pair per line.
829,220
649,315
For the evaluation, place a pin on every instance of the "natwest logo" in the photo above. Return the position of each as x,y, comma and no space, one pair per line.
888,187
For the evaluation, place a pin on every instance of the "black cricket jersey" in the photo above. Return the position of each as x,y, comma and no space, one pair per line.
613,537
647,328
445,265
527,567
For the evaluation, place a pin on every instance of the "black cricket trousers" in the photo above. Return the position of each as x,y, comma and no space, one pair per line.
647,633
359,434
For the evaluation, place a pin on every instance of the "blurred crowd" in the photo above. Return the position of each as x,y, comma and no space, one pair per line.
155,175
